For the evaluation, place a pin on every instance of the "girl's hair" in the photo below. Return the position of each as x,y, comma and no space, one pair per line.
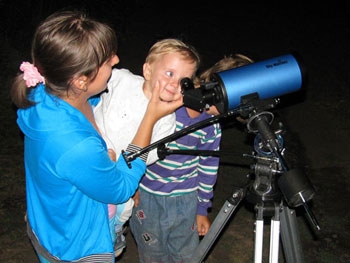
66,45
173,45
226,63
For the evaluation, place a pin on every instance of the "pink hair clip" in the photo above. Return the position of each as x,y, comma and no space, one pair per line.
31,74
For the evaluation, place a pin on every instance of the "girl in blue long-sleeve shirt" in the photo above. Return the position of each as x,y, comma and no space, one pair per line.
70,177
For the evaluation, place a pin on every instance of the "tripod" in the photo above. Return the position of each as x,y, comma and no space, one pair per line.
283,217
270,195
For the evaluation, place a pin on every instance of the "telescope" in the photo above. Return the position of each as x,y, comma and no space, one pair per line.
265,79
246,89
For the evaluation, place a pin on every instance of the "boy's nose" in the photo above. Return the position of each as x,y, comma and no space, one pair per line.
175,82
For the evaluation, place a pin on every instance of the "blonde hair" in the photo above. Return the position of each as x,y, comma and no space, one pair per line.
66,45
226,63
172,45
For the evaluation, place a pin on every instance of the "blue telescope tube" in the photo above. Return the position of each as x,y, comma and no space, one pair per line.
268,78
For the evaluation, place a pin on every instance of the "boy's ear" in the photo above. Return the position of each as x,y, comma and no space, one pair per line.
147,71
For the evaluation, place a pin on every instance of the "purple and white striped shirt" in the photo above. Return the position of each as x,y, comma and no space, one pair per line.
179,174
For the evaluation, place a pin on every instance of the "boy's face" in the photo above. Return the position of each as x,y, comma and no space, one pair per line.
168,71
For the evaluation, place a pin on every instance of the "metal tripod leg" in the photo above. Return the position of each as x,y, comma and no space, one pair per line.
290,236
284,223
258,242
275,237
274,232
217,225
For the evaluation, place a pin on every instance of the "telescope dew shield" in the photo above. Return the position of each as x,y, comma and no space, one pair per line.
268,78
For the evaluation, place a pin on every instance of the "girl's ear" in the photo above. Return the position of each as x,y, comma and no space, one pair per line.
147,71
81,83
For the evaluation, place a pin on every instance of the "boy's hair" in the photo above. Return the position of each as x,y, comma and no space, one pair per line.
172,45
226,63
67,45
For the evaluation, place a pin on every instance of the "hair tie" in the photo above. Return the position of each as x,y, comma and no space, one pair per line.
31,74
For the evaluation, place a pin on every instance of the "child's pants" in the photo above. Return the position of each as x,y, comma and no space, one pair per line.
118,215
165,227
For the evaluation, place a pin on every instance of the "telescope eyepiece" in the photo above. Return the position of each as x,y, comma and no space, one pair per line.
186,84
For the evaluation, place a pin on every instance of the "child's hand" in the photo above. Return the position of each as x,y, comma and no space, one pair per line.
112,155
203,225
136,198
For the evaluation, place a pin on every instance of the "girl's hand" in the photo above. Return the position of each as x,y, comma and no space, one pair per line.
158,108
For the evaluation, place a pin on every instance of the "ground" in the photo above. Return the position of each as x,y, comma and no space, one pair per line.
316,122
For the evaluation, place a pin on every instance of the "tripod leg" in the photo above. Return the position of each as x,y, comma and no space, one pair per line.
274,236
217,225
290,236
259,234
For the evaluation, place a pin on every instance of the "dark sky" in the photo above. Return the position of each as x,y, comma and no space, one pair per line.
319,33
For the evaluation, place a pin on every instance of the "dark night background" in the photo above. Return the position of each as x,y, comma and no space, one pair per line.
316,120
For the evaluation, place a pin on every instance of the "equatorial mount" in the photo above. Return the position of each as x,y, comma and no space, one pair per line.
273,176
275,191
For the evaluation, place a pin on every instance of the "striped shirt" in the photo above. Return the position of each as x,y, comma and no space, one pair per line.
179,174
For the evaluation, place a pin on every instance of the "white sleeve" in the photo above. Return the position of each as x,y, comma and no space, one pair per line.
120,111
163,128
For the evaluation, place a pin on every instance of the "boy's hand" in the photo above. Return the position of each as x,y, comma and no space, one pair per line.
203,225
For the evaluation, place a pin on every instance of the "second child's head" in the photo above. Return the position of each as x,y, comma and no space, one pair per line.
226,63
168,61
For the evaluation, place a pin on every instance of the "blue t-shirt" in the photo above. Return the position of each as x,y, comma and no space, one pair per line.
70,178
